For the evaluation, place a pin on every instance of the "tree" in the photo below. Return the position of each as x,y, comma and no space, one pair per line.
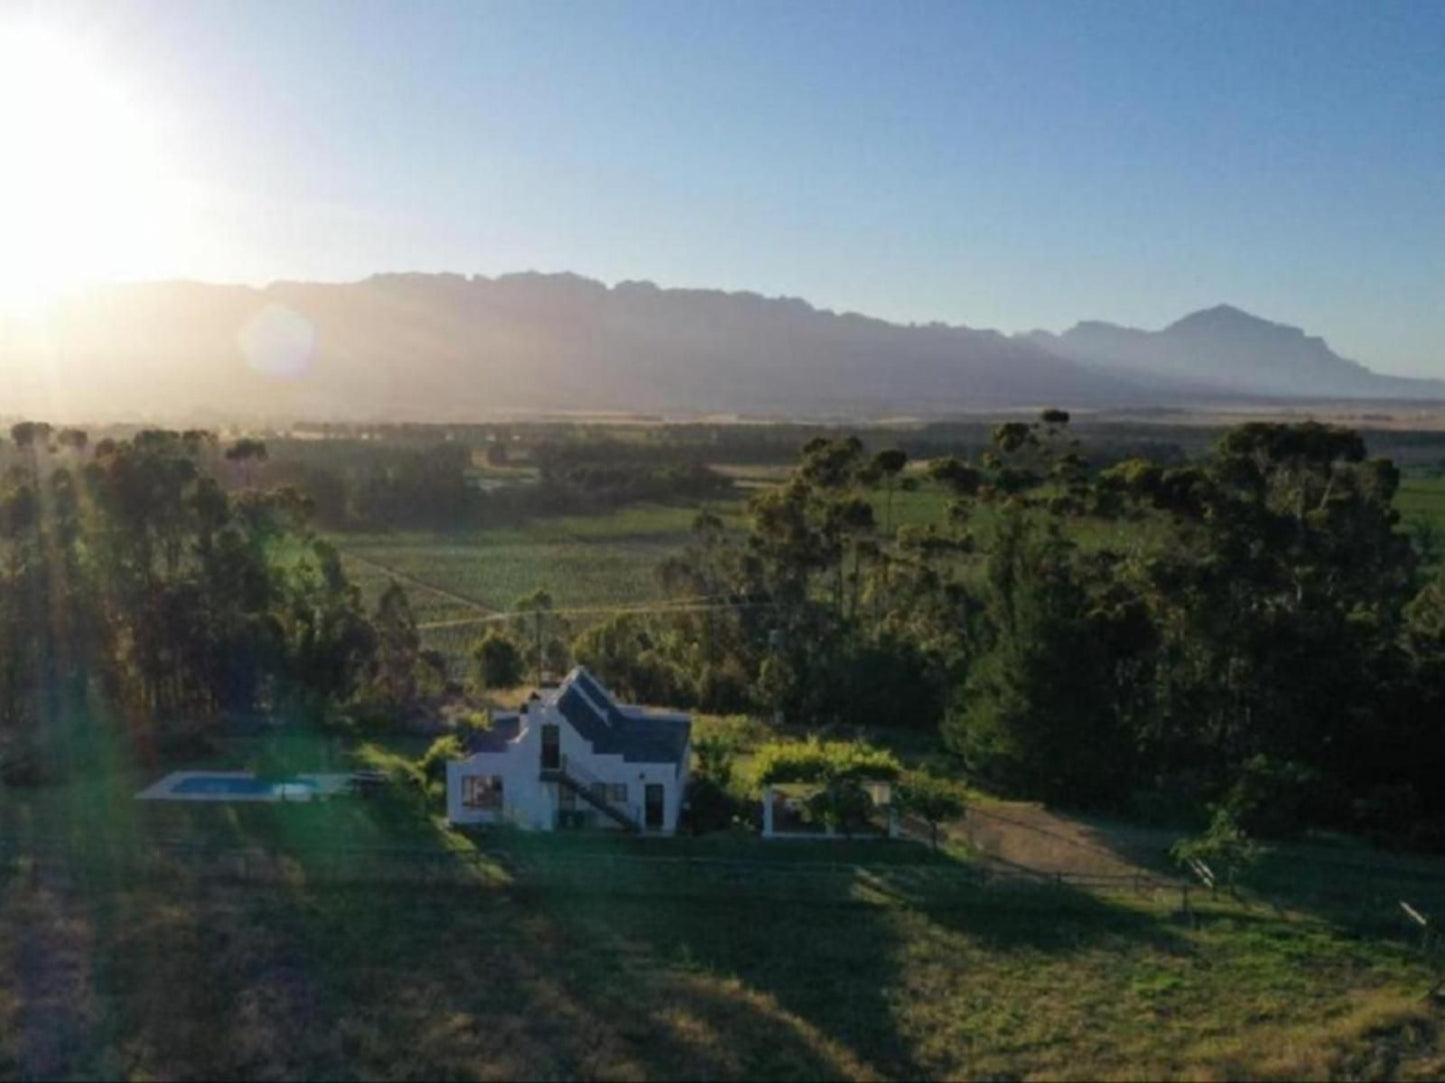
133,587
629,652
499,662
1224,846
398,644
245,453
888,465
74,440
30,435
932,799
547,631
1038,712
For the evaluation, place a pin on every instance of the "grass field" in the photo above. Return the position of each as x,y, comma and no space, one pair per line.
608,957
622,975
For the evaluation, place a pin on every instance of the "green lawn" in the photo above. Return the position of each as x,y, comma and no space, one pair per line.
614,957
183,978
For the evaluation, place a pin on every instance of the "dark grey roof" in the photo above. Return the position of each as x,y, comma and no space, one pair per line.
504,729
637,735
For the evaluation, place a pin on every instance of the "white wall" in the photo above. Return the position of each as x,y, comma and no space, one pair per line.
530,802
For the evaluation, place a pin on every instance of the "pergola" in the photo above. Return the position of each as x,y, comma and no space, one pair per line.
825,765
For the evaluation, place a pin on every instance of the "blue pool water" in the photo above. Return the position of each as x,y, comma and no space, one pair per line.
240,787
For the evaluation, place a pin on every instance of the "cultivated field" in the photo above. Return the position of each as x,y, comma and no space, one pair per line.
1421,500
582,560
460,583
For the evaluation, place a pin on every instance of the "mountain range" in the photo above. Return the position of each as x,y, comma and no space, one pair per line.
449,348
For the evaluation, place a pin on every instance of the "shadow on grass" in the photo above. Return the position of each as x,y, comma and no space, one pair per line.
623,971
834,962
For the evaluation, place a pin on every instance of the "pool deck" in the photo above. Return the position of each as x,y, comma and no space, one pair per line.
164,789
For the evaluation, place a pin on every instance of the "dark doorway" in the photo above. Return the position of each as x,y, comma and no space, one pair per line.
652,802
551,748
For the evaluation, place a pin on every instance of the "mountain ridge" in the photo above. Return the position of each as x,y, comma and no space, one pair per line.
422,346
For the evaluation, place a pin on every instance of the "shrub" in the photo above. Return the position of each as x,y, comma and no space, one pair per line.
433,763
472,722
711,802
710,806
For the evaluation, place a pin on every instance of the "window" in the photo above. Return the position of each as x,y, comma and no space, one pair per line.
617,793
482,791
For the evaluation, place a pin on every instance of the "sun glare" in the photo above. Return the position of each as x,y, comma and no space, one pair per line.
85,194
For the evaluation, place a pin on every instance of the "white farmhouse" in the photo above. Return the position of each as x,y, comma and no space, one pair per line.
574,757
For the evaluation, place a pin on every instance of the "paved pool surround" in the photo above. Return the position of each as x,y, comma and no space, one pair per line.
241,786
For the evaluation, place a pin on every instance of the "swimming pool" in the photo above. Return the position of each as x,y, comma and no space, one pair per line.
240,786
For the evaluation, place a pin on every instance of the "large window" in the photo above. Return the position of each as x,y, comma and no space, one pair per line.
482,791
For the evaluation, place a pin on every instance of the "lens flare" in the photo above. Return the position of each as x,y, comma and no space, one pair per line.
278,342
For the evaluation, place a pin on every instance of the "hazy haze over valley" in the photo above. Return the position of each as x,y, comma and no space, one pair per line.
448,347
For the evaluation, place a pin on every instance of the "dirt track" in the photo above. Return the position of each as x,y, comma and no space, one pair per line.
1017,833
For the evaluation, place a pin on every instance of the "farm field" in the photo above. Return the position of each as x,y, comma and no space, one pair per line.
1422,500
591,563
460,582
583,561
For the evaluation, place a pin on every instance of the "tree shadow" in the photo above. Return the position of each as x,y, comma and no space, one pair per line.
835,962
794,974
1053,919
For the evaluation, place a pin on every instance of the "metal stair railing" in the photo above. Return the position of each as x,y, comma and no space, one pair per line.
585,784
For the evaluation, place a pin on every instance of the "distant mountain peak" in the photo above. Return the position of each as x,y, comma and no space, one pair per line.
1222,315
1226,350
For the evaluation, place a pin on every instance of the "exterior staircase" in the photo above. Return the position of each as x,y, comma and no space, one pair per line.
586,785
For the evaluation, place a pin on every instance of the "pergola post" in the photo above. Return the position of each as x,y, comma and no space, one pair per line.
768,811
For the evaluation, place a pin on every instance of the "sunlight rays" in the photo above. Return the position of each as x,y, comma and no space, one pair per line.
86,192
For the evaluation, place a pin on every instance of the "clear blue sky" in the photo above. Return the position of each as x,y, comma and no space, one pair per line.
1009,165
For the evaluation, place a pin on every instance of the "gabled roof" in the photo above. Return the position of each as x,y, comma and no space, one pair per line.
611,728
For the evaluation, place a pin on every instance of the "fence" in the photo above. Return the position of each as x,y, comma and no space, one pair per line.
64,864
